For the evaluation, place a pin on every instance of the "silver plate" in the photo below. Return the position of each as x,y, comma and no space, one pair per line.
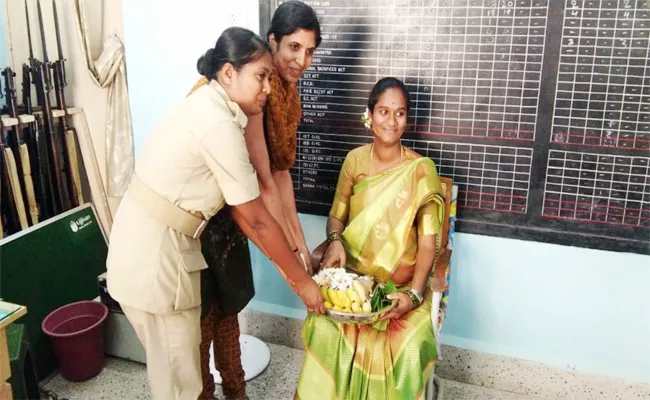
361,319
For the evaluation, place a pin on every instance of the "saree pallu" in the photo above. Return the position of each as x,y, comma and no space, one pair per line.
357,362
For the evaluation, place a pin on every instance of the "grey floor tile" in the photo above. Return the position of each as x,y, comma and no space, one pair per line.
124,380
462,391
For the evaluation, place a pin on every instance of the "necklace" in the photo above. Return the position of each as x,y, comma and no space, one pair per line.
371,171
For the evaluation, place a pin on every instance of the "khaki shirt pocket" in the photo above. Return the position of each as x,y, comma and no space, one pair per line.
188,291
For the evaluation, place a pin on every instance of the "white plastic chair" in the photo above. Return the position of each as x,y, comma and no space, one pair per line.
434,386
441,282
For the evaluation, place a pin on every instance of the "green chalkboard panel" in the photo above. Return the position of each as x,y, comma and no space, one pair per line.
51,264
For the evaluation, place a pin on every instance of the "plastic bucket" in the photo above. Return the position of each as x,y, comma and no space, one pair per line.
77,335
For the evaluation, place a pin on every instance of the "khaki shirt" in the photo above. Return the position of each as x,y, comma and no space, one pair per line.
196,158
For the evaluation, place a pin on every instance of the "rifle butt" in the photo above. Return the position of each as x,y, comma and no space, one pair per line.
75,172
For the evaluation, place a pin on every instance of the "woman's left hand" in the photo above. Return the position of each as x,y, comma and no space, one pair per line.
404,305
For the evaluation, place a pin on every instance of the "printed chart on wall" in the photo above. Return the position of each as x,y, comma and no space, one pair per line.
539,110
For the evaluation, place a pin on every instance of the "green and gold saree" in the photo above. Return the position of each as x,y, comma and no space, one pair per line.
383,215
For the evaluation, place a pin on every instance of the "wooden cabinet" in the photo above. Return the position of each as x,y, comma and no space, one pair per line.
8,313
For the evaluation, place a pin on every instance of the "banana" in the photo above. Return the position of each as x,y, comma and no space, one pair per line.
366,308
360,290
367,285
354,299
353,295
326,297
334,299
344,300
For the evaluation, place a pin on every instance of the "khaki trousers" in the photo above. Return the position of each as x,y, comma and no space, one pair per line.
171,343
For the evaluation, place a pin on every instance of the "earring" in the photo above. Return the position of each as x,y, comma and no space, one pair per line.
366,119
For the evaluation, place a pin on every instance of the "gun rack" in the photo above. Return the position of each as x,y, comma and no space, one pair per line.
78,121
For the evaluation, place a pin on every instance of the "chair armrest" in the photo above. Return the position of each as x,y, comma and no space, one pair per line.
317,255
440,270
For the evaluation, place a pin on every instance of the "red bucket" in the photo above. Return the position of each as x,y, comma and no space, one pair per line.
77,336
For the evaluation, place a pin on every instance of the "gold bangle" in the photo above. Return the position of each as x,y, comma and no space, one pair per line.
332,236
416,297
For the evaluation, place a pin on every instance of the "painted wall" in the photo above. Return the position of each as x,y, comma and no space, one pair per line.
573,308
163,42
4,44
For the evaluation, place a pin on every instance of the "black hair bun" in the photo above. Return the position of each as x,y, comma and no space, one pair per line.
205,64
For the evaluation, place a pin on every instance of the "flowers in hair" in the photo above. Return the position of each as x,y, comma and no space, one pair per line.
366,118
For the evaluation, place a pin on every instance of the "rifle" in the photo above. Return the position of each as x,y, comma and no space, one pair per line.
17,143
12,197
2,229
34,137
69,133
6,198
42,81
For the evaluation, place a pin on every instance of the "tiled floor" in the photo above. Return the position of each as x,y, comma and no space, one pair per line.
127,380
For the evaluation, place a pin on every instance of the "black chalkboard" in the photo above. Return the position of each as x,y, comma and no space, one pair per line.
538,109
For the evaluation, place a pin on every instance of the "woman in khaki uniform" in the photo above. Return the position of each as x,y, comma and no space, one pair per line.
271,139
194,162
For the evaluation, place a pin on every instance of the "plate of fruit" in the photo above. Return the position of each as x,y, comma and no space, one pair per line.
353,298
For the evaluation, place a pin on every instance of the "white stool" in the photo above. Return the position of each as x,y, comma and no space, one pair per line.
255,357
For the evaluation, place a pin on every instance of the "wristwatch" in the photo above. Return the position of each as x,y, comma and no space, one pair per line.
332,236
416,297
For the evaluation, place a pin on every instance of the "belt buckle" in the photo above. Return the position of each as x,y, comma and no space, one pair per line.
200,229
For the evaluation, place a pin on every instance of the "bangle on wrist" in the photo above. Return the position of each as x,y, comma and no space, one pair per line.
416,297
333,236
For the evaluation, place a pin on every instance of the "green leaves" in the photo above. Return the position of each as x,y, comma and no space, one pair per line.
379,300
377,296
